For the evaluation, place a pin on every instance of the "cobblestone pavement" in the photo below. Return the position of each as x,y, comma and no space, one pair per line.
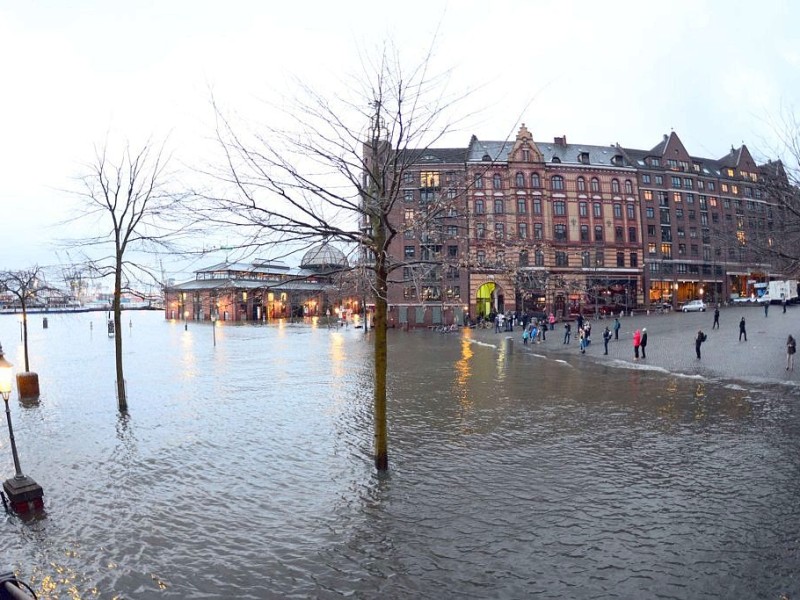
670,343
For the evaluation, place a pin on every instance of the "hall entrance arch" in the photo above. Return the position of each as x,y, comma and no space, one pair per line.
489,299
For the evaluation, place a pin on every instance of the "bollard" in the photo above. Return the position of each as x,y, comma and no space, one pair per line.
44,323
28,385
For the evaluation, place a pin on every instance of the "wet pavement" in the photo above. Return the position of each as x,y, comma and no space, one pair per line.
670,342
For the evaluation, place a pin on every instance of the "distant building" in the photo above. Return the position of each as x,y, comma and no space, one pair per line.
262,290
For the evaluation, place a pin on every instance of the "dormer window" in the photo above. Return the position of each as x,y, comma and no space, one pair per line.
583,158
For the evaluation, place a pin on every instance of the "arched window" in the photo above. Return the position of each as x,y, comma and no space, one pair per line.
535,181
595,184
557,182
615,186
479,181
498,206
497,181
581,184
628,186
478,207
520,180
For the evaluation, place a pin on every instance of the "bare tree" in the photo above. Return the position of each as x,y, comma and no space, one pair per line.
336,175
129,199
24,285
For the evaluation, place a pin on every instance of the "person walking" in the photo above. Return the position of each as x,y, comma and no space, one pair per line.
637,341
716,319
616,328
606,338
567,332
643,342
742,330
766,308
582,338
552,321
579,321
791,348
701,337
783,301
543,330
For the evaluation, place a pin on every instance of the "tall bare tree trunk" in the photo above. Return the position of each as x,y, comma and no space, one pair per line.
25,335
381,276
122,400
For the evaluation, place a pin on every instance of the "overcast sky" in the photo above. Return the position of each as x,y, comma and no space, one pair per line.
717,72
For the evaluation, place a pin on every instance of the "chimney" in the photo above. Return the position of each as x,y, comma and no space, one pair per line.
560,141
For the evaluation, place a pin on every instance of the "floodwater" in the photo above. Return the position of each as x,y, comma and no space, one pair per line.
245,470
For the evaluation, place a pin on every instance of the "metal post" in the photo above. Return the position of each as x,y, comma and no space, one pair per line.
18,471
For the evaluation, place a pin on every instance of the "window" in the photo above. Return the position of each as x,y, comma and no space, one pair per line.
498,206
615,186
522,206
648,195
478,181
559,208
538,231
409,292
680,232
519,180
678,213
655,162
712,186
522,231
598,233
585,233
689,198
666,250
620,259
692,214
408,234
426,196
617,210
586,259
538,258
480,230
723,188
687,183
429,179
599,258
499,231
597,209
481,256
535,181
526,155
537,205
631,210
632,234
583,209
634,258
595,184
452,251
408,178
651,248
522,261
557,182
659,180
408,215
581,184
628,186
672,163
452,231
561,259
408,195
497,181
651,231
479,206
560,232
646,178
409,251
676,182
619,234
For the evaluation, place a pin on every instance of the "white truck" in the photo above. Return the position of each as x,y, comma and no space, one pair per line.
779,290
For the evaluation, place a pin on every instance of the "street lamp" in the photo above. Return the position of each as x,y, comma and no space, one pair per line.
22,491
214,327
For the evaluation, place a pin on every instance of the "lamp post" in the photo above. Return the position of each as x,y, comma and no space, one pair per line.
214,327
22,491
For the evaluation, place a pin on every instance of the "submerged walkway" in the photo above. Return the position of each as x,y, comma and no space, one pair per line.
670,342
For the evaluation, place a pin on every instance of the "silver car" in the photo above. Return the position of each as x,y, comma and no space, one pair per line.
694,306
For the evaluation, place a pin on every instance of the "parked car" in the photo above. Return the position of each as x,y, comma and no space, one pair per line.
694,306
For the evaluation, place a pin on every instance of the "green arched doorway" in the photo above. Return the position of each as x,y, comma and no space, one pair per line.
489,299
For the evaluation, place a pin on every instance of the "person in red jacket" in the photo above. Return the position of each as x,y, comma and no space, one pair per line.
637,341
